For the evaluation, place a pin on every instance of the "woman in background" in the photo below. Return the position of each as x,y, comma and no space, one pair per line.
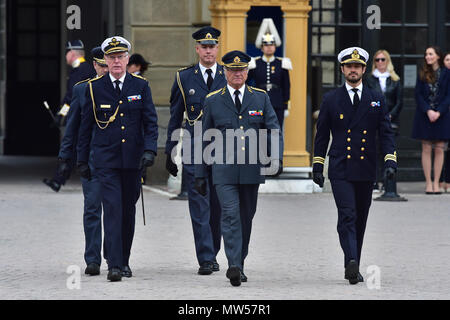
385,80
432,119
445,177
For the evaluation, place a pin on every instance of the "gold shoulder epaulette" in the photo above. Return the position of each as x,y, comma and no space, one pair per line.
185,68
138,76
258,89
85,80
213,93
92,80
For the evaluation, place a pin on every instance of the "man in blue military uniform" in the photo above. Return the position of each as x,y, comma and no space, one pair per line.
190,87
81,70
120,119
237,170
353,114
271,73
92,219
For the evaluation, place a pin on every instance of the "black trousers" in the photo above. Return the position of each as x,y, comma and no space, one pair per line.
353,200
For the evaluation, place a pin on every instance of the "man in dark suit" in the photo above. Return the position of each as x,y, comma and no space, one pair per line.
238,112
353,114
92,216
190,87
120,119
81,70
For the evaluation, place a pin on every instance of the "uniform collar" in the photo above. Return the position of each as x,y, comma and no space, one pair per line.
232,90
77,62
272,58
349,87
122,79
203,69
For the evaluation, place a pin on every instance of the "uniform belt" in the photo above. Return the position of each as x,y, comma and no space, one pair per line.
270,86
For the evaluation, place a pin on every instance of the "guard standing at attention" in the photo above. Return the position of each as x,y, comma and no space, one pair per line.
353,114
92,216
120,119
81,70
238,170
271,73
189,90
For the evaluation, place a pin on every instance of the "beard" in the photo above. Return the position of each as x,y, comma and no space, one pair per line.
353,80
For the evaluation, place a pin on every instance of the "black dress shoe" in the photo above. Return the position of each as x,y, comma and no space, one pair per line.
360,277
234,274
351,272
92,269
52,184
215,266
126,272
114,274
205,269
243,277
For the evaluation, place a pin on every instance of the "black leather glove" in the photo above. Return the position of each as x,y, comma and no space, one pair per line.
64,168
318,178
84,170
200,186
148,159
170,166
389,173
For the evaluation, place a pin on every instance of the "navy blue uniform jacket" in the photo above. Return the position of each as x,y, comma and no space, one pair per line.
423,128
188,94
353,148
256,113
279,77
84,71
123,141
67,149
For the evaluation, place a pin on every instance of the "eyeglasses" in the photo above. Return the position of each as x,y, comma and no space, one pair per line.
119,57
380,59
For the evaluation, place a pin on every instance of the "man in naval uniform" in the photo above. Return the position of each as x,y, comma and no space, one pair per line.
81,70
354,115
271,74
242,111
119,123
190,87
92,216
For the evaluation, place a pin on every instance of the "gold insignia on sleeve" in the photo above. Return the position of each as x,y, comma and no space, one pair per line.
319,160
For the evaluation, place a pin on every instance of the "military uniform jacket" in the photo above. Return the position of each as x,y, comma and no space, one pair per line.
353,149
256,113
278,78
84,71
188,94
119,143
69,142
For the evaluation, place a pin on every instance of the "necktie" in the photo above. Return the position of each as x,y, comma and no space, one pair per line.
355,97
118,91
237,101
210,78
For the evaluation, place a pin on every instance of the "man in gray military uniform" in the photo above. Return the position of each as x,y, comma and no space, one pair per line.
237,170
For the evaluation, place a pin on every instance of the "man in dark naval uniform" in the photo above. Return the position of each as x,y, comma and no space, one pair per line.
120,119
92,216
237,170
190,87
81,70
354,115
271,74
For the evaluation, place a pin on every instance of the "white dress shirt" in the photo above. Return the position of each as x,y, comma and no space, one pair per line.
351,93
241,93
122,79
205,75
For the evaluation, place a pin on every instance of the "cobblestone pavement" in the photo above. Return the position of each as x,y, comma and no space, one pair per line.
294,250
